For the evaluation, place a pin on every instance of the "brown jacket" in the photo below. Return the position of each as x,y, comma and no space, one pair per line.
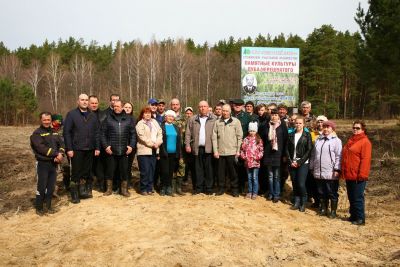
193,131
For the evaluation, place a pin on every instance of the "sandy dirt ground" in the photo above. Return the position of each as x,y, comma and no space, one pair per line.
190,230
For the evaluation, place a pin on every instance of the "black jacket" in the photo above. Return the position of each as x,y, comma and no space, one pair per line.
46,144
80,132
272,157
163,148
118,131
103,114
303,148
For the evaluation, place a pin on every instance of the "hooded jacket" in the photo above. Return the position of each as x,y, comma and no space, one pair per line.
356,158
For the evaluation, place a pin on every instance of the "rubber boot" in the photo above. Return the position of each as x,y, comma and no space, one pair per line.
179,186
109,186
39,205
332,214
89,188
163,191
296,204
173,189
82,189
74,194
168,191
124,189
323,207
48,206
302,207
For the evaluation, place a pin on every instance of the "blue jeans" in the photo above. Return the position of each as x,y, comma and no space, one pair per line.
299,177
252,175
147,166
355,193
274,181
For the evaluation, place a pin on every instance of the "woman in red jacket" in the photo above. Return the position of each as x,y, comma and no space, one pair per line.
356,164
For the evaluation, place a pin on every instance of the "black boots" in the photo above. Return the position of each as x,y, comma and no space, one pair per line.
89,188
39,205
323,208
109,188
74,194
82,189
179,186
296,204
334,204
302,207
124,189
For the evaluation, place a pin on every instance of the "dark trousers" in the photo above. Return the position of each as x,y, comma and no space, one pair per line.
284,174
263,180
242,175
117,164
81,165
168,165
204,172
99,165
226,164
189,167
355,193
299,177
130,163
147,165
328,189
46,181
312,187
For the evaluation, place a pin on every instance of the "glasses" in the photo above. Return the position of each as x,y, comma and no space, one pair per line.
356,128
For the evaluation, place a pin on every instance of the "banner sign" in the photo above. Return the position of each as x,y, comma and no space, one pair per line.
270,75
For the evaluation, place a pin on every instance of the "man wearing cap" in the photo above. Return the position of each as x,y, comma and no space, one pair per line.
161,107
244,119
227,139
198,141
153,104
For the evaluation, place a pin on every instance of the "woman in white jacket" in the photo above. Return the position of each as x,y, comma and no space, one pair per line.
325,166
149,139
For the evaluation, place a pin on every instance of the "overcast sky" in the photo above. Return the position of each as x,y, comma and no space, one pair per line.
27,22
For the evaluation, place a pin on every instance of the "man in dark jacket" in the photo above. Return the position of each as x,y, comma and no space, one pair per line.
82,141
244,119
48,148
118,139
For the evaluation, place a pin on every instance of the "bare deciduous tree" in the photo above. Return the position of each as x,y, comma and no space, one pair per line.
54,75
34,76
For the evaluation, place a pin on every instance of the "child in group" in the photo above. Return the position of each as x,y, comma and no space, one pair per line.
251,152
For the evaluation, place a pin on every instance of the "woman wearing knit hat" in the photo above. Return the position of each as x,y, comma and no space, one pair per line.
325,165
251,152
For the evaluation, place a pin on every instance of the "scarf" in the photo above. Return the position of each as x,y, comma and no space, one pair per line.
272,134
153,130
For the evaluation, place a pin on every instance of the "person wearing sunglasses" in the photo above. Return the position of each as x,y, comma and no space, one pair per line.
356,164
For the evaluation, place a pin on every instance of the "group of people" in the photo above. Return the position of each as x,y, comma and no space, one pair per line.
222,148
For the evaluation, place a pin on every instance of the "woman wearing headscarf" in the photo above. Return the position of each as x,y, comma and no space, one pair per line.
356,164
325,165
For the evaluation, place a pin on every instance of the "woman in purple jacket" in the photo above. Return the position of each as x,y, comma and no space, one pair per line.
325,166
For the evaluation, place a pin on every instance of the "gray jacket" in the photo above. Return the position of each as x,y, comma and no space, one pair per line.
227,137
193,131
326,157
